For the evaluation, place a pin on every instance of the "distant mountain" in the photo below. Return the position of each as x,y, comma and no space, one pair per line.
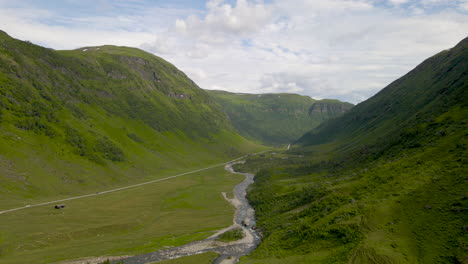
276,118
384,183
80,119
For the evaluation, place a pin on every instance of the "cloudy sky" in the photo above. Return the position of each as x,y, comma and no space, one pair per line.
342,49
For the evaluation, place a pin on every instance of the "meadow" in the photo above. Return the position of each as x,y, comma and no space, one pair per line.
139,220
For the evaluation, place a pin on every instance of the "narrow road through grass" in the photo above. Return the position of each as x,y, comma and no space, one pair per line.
125,187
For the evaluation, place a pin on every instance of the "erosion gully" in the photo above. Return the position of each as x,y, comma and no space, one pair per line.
230,252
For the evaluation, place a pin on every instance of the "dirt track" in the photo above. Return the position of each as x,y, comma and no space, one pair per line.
121,188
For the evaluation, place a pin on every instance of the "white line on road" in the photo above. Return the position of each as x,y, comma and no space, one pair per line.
126,187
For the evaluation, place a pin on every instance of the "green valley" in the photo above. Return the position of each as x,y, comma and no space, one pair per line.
234,132
384,183
98,118
381,182
276,119
134,221
83,120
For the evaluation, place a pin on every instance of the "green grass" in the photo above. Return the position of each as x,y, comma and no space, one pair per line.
276,119
75,122
433,87
79,122
374,212
385,183
37,168
231,235
144,219
204,258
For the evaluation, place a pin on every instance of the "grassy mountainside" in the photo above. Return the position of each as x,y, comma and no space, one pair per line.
75,121
276,118
429,90
384,183
97,118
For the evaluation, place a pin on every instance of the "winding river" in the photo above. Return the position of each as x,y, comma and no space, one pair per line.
230,252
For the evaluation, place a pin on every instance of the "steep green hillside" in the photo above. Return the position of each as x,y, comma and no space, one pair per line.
385,183
97,118
276,118
429,90
76,121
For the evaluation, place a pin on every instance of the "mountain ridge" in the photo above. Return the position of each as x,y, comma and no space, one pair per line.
276,119
117,113
395,94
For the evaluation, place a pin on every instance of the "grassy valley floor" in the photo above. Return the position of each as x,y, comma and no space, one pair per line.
143,219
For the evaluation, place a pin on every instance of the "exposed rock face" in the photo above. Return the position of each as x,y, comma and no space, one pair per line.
142,67
329,107
179,96
114,74
134,60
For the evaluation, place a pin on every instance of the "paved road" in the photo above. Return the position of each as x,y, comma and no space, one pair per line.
124,188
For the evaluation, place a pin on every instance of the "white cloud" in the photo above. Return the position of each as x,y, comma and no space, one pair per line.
52,29
340,49
344,49
463,4
223,23
398,2
244,17
180,25
199,74
436,2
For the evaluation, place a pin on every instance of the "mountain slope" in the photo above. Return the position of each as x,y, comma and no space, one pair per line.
384,183
276,118
76,121
432,88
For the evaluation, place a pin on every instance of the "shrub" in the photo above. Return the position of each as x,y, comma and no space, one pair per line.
74,138
231,235
109,150
135,137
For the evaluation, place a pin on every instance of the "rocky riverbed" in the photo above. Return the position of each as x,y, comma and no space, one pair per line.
230,252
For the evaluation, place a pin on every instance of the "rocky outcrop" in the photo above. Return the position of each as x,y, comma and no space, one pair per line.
179,96
329,107
114,74
143,67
